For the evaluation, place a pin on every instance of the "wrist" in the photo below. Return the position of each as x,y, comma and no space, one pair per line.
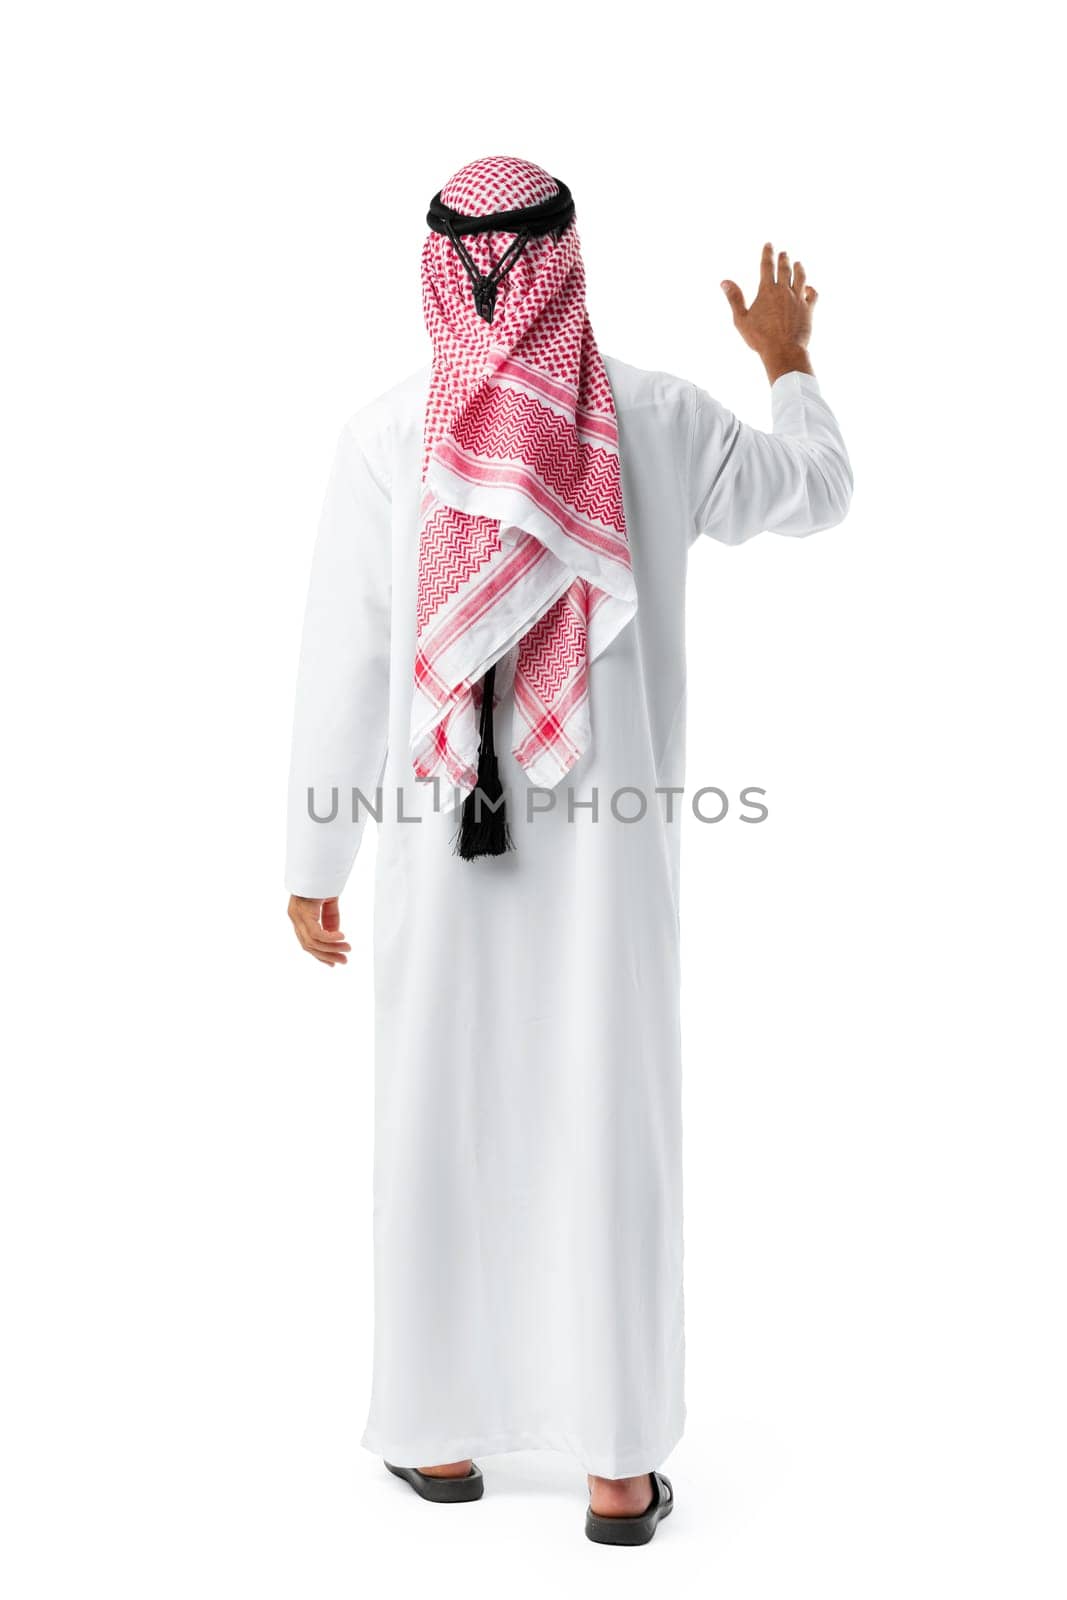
786,358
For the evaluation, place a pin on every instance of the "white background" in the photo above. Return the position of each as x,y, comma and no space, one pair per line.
213,216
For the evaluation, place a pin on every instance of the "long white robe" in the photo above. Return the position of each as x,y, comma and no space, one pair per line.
528,1186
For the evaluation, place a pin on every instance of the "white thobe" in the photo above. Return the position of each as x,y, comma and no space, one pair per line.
527,1182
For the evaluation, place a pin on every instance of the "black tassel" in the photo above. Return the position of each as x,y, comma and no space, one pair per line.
483,829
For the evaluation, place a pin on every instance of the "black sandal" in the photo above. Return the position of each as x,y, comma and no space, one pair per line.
633,1530
444,1491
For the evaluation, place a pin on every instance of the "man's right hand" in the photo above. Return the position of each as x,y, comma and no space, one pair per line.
777,325
317,924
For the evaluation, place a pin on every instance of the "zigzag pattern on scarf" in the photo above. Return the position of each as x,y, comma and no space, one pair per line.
555,647
513,427
453,547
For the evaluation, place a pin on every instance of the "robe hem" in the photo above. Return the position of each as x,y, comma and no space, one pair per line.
621,1464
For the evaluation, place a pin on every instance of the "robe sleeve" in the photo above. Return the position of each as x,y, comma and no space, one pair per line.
795,479
340,726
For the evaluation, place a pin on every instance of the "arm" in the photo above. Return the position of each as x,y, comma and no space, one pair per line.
797,478
340,726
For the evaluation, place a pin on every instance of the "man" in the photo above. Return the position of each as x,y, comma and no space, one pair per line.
494,662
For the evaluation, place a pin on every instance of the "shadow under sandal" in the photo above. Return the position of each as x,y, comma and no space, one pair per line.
633,1530
443,1491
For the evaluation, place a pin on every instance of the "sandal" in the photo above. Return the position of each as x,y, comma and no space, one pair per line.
444,1491
633,1530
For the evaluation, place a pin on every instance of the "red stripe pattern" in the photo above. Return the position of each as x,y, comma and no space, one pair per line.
523,552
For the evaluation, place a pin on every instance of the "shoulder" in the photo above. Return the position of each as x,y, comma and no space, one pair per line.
636,389
392,419
639,388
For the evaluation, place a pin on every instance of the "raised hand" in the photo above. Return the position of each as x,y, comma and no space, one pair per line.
777,325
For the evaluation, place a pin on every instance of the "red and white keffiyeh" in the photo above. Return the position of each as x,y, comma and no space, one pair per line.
523,553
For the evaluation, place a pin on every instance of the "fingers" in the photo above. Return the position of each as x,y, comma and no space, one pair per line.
735,297
794,278
321,943
766,266
332,955
810,295
330,945
326,944
329,961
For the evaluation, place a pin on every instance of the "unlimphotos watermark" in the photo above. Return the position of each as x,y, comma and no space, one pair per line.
629,803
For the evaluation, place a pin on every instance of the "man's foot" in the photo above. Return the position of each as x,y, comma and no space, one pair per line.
627,1511
451,1469
620,1497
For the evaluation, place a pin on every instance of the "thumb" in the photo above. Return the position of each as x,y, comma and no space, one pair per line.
735,297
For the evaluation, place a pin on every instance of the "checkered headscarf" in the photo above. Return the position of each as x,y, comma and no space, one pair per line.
523,554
